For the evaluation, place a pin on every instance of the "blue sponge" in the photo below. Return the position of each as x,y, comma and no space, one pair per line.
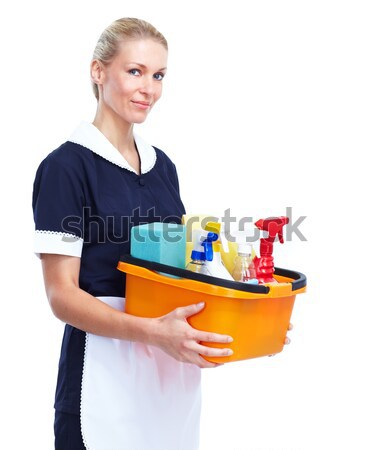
164,243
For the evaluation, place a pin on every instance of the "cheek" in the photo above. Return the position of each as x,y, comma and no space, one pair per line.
123,85
158,92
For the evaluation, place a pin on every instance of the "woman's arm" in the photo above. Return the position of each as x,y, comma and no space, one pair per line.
172,333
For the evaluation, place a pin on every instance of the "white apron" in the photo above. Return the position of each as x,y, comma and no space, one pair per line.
136,397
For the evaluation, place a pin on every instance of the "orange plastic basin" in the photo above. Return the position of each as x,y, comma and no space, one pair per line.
257,317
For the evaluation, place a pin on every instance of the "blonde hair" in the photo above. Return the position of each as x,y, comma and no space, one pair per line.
120,30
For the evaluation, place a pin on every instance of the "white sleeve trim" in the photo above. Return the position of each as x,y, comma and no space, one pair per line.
57,243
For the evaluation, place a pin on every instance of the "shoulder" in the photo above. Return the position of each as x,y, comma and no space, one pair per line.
69,165
68,157
69,154
164,159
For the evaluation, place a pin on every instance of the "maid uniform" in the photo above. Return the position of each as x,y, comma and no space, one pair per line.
121,395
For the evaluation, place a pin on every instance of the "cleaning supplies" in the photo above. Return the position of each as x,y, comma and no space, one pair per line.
194,222
265,263
244,269
198,265
202,251
164,243
215,265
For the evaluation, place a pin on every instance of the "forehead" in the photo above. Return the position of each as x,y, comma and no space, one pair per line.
143,51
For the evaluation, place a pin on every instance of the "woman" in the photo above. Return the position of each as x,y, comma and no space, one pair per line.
124,382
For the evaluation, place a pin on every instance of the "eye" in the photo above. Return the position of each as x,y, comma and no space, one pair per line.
158,76
134,72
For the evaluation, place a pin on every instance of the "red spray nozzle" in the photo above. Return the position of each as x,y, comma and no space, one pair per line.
265,264
273,226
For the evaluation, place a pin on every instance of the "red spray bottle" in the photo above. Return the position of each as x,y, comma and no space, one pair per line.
265,263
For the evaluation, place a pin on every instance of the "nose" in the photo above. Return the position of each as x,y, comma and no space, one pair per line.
148,87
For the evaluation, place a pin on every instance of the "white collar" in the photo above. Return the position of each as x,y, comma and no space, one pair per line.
87,135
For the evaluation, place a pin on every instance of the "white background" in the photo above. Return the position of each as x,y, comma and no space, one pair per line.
265,106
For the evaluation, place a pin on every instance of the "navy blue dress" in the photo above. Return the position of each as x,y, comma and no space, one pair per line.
86,198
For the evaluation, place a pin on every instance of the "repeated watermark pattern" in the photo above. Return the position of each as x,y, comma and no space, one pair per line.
116,229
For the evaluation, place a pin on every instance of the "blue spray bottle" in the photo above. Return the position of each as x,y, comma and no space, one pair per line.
202,251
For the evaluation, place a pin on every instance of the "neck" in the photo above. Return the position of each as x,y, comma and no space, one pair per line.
115,129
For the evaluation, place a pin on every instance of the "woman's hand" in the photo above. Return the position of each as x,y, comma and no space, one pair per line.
180,340
287,339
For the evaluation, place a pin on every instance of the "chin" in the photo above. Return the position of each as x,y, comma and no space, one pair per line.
139,119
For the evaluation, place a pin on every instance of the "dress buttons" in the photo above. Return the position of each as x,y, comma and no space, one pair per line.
141,181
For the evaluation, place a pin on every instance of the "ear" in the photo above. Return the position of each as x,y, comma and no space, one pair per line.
97,71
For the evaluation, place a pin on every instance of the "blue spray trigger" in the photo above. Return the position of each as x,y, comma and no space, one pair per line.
207,244
198,256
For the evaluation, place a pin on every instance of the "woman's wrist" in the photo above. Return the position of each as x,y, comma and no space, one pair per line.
140,329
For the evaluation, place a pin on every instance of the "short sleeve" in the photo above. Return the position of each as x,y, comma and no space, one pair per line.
58,203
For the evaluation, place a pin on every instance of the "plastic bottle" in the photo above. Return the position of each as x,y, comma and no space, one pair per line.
265,264
216,266
198,265
202,250
244,269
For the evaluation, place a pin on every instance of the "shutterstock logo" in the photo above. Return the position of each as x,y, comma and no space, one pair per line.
116,229
292,227
231,223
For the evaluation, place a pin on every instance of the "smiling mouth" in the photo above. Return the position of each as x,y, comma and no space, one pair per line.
141,105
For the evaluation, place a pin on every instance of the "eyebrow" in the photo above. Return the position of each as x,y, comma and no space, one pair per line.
144,66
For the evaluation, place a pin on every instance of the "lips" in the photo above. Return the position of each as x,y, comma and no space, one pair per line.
141,105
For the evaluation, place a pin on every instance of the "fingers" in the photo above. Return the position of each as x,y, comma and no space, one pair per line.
206,336
186,311
205,351
204,364
287,339
209,351
182,341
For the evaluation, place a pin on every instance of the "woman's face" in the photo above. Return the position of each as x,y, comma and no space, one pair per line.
132,82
